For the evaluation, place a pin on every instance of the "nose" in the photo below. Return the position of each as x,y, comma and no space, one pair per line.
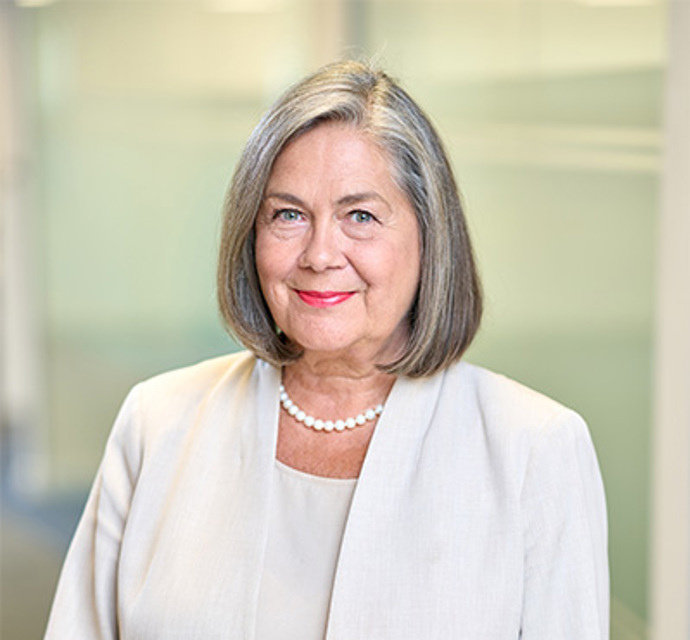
322,250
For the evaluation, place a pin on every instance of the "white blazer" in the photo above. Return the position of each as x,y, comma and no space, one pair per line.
479,514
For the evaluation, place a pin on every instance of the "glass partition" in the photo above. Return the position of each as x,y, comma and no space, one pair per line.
550,110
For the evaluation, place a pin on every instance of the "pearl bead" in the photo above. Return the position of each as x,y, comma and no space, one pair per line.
326,425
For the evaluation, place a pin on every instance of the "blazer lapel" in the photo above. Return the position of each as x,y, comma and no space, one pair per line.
258,459
369,567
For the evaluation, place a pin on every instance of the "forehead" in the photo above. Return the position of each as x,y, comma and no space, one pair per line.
334,146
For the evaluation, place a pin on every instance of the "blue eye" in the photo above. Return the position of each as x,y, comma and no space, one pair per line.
362,217
288,215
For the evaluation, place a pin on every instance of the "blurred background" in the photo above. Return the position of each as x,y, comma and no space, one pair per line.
121,123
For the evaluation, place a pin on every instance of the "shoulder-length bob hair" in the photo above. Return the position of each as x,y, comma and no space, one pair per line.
446,313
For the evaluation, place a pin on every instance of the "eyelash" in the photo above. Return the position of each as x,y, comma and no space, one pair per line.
280,215
370,216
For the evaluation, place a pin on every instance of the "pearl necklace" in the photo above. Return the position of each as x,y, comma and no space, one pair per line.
326,425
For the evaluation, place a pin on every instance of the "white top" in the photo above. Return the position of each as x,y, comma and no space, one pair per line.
306,524
479,513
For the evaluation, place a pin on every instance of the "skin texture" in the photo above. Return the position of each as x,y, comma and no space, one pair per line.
338,257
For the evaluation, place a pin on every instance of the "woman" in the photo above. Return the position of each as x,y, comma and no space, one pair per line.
347,477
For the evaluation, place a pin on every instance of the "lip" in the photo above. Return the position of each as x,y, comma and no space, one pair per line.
324,299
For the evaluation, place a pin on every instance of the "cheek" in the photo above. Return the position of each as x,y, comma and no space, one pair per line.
406,279
267,258
407,258
273,269
395,275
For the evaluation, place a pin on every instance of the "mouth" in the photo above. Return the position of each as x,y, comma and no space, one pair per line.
323,299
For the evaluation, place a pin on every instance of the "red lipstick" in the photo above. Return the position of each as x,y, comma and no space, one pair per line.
323,299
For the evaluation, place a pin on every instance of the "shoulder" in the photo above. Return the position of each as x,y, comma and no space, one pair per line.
501,396
169,402
510,411
544,444
199,378
201,408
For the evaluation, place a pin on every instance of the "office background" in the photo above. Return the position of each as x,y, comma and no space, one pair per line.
123,120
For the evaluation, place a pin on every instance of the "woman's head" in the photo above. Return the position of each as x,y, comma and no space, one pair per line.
445,312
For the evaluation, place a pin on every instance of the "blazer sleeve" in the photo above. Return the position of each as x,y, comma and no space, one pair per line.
566,589
85,601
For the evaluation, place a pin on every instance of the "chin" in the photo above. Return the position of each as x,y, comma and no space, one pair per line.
314,336
326,346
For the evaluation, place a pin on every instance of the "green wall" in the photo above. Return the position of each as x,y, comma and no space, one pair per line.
551,112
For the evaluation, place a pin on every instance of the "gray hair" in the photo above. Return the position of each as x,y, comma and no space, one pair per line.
446,312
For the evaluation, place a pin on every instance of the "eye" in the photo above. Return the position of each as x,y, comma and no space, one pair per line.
362,217
287,215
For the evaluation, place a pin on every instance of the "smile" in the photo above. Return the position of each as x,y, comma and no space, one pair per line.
322,299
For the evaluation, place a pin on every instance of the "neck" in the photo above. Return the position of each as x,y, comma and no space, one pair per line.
336,385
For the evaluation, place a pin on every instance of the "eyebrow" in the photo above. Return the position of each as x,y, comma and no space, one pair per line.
353,198
360,197
288,197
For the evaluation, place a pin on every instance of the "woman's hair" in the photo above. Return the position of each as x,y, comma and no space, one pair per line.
445,314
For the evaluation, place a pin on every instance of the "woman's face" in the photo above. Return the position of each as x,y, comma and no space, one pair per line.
337,246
